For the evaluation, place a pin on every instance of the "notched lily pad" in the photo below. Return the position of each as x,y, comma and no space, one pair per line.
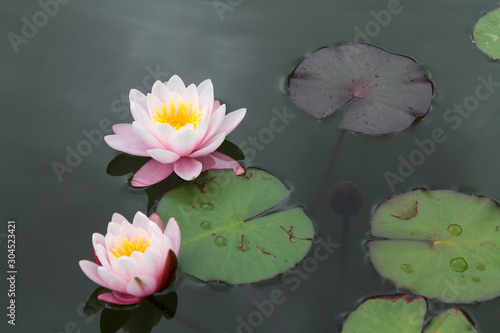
402,314
225,234
439,244
388,92
387,314
450,321
487,34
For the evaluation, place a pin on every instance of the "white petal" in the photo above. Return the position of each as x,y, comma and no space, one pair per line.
190,95
183,143
163,156
142,286
176,84
148,138
161,92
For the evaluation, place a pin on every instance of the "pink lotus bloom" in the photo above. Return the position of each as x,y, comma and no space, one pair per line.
180,128
134,260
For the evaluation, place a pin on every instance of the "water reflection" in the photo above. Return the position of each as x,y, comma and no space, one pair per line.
124,164
141,317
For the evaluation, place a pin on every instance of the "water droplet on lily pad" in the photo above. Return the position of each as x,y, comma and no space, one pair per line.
206,225
480,266
407,268
236,207
436,254
207,205
476,279
455,230
220,241
459,265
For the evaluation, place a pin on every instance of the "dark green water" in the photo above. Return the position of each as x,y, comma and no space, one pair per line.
72,72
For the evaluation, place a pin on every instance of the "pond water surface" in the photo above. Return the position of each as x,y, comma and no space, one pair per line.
72,75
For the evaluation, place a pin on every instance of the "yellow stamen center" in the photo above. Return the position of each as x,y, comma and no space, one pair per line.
178,117
130,246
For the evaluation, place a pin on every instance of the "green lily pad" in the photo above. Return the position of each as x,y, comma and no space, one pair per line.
439,244
487,34
226,237
450,321
400,314
387,314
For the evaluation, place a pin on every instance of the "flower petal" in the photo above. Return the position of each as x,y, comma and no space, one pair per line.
215,121
154,105
160,91
163,156
142,286
187,168
151,173
119,298
201,129
127,268
166,134
135,96
169,270
206,95
173,232
142,116
148,138
90,268
102,256
140,221
157,220
216,105
210,146
152,263
218,160
128,144
183,143
176,84
117,218
111,280
123,129
231,120
190,95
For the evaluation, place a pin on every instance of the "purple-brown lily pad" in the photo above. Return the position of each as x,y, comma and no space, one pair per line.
388,91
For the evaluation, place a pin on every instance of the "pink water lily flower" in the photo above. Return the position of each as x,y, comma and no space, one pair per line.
180,128
134,260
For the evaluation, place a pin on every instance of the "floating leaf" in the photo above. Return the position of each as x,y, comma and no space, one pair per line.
450,321
224,235
388,315
400,314
388,91
487,34
439,244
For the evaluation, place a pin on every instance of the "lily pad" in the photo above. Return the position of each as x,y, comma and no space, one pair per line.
225,234
487,34
399,314
450,321
387,314
387,92
439,244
